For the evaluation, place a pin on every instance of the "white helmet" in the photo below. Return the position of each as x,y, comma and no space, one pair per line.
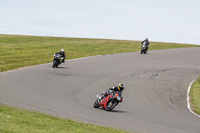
62,50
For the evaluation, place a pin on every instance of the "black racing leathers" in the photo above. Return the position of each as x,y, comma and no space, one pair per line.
62,55
147,43
110,90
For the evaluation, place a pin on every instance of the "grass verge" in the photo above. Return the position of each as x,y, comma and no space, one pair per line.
19,51
22,121
195,96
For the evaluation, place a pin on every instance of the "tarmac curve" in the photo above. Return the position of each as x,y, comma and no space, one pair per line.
155,94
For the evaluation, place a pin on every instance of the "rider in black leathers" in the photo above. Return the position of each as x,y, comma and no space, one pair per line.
147,42
62,53
113,89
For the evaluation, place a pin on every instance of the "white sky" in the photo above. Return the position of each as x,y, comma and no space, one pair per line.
159,20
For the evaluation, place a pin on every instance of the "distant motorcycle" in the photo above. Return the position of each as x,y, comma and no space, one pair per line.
144,48
108,102
57,60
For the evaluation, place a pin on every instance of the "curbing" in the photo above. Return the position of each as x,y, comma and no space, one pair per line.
188,100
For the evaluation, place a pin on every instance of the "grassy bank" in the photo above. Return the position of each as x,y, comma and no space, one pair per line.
195,96
22,121
20,51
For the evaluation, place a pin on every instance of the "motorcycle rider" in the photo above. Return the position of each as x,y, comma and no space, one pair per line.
113,89
147,42
62,53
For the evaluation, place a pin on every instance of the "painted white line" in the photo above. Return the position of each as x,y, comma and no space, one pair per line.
188,100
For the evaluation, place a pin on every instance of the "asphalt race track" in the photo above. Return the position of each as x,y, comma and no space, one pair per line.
154,97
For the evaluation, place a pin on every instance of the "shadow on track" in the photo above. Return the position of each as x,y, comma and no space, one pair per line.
61,67
117,111
114,111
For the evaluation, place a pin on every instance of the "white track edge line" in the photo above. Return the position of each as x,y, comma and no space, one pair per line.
188,100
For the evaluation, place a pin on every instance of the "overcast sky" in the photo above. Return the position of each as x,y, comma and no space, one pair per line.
159,20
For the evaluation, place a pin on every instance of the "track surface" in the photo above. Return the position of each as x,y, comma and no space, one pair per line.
154,97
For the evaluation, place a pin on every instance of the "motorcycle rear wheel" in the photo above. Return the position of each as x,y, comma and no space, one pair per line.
111,105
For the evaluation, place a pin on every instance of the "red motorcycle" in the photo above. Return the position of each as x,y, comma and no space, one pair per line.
108,102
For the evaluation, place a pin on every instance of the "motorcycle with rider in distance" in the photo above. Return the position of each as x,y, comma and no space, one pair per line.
57,60
144,48
108,102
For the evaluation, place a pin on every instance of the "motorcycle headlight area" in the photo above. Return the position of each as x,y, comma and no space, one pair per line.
97,96
119,98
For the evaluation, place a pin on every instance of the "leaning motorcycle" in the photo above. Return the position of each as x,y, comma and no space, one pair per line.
108,102
144,48
57,60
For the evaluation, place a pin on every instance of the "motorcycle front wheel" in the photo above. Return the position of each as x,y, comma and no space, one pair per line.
54,64
96,104
142,50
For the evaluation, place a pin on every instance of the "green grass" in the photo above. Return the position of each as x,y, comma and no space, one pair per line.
13,120
19,51
195,96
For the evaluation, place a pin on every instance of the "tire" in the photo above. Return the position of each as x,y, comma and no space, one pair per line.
96,104
145,51
57,63
54,64
141,51
112,106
